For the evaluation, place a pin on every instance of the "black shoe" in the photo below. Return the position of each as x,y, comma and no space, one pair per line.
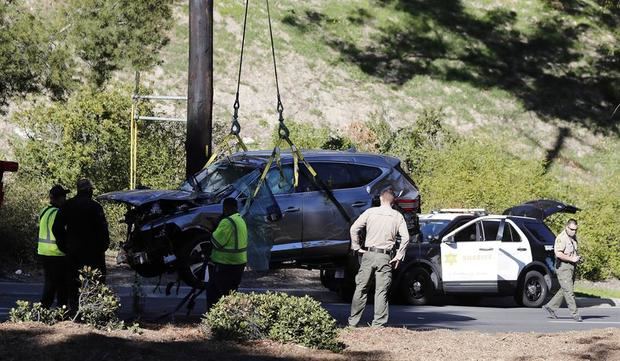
550,312
577,318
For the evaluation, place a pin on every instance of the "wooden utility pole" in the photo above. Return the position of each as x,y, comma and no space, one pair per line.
200,85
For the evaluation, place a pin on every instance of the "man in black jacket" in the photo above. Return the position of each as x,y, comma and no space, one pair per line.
81,232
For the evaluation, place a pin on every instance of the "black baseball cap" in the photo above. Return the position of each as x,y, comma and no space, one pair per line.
57,191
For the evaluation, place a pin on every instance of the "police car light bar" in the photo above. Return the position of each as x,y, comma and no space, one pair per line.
480,211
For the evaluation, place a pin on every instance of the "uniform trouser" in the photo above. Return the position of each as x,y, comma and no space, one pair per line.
223,279
376,264
566,277
55,285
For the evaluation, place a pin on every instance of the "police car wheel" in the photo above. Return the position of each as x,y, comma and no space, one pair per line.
192,257
417,287
534,289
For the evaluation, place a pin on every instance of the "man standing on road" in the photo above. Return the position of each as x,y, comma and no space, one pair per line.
566,259
382,225
82,234
53,260
229,254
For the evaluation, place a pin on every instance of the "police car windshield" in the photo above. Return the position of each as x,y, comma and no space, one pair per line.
216,177
430,228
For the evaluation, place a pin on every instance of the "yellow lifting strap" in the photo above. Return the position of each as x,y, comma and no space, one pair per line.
276,156
225,146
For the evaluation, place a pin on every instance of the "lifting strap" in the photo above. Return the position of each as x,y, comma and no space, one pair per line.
284,135
235,127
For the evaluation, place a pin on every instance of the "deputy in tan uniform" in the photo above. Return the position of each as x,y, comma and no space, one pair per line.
566,259
382,225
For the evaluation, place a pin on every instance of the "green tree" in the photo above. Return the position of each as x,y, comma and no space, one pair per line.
88,136
110,35
31,59
40,45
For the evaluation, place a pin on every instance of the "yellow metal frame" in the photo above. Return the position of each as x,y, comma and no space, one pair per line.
133,145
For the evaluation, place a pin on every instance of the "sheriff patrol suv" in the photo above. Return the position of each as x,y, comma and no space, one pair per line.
469,252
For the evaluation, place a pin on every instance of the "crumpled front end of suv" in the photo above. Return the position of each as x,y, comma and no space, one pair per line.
160,223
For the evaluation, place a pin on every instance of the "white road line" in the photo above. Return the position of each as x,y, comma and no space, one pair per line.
586,321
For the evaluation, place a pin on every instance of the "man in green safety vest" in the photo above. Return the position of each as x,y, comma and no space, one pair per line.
228,255
53,260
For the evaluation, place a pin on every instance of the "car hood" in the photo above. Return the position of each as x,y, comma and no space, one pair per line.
540,209
143,196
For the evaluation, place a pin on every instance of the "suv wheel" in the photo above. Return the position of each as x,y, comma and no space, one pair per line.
192,258
417,287
534,290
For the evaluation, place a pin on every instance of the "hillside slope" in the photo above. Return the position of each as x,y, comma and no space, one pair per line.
539,77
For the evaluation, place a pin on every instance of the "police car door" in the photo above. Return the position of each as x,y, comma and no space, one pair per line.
469,259
514,254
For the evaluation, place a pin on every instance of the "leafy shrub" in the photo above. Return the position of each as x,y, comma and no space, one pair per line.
473,174
308,136
411,144
87,136
277,316
599,229
97,303
302,320
19,220
115,215
35,312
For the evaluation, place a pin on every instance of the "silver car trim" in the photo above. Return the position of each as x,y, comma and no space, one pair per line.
286,247
325,243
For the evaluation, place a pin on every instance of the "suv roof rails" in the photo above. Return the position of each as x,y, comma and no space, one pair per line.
474,211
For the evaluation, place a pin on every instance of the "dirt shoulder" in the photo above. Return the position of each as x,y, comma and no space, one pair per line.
68,341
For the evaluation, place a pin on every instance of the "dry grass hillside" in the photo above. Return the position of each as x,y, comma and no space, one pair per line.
340,63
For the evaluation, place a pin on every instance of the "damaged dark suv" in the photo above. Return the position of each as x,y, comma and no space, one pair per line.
289,226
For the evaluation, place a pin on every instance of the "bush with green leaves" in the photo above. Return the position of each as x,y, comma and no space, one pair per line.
19,221
25,311
276,316
599,230
302,320
412,144
88,136
98,305
470,174
309,136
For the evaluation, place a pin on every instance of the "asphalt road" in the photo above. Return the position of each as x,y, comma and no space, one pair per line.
491,315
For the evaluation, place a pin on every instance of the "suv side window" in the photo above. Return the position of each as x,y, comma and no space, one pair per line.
469,234
363,174
491,228
541,232
339,176
510,234
280,183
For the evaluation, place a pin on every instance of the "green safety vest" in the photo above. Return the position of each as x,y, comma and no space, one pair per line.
47,242
230,241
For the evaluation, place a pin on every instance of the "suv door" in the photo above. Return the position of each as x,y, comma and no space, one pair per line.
514,255
286,231
325,230
469,258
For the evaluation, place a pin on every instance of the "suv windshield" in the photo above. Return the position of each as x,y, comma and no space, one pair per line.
216,177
